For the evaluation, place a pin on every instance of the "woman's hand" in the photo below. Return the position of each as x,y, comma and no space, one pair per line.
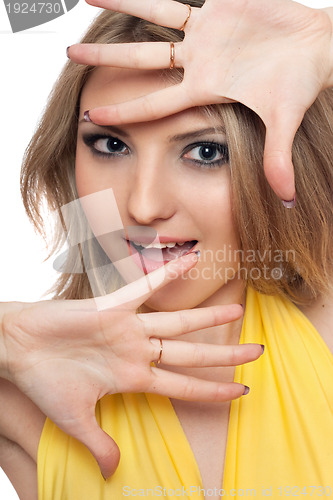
273,56
66,355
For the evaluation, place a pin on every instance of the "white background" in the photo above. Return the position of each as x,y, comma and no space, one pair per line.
30,62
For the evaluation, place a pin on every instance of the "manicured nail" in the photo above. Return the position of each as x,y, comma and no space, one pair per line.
197,252
262,348
189,257
67,51
86,116
246,390
289,204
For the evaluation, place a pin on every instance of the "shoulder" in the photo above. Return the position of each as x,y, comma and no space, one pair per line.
320,313
20,469
21,425
22,422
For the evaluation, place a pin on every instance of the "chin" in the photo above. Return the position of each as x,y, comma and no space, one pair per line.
178,295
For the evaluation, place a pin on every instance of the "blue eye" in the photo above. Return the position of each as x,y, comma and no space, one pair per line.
105,145
209,154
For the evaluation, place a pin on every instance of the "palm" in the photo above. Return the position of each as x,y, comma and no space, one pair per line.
66,355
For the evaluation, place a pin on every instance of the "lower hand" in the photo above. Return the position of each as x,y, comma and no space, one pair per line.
66,355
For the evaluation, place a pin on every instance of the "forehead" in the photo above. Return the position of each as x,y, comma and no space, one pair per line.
116,85
107,86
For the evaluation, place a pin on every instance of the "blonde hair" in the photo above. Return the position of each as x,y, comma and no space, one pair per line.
301,237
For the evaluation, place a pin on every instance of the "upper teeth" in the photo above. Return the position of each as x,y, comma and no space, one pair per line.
157,245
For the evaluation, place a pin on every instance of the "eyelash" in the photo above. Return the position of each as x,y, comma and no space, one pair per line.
91,139
222,149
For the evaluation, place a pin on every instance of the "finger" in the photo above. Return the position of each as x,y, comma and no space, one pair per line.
169,324
143,55
134,294
156,105
278,166
178,353
163,12
187,388
101,445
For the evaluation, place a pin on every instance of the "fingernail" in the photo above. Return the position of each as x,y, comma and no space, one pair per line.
262,348
197,252
289,204
246,390
86,116
189,257
67,51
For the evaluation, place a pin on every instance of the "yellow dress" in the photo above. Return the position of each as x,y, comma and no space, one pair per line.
280,436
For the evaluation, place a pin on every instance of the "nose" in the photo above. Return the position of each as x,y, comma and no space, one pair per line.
152,195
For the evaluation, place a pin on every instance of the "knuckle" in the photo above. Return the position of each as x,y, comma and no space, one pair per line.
226,392
106,455
116,115
98,56
155,12
216,316
148,108
218,394
184,322
199,356
134,56
190,389
234,357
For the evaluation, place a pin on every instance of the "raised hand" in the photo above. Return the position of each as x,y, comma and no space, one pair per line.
66,355
273,56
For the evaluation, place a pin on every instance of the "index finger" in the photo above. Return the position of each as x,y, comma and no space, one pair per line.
163,12
134,294
140,55
159,104
174,323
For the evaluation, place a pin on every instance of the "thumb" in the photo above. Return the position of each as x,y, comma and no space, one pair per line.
102,447
278,166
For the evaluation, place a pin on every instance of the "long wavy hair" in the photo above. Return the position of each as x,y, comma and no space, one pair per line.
296,244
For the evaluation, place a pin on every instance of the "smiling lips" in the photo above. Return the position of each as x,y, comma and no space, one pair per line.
161,253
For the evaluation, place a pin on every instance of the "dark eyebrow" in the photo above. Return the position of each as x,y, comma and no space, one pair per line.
197,133
109,128
193,134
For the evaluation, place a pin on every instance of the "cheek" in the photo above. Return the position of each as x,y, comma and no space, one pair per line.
213,208
89,178
83,174
221,239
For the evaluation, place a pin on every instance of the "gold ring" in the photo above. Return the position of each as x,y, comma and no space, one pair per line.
172,55
161,352
188,17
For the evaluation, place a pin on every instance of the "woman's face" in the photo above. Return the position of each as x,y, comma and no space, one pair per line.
171,175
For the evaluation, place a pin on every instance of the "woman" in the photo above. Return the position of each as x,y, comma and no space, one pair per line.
197,146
